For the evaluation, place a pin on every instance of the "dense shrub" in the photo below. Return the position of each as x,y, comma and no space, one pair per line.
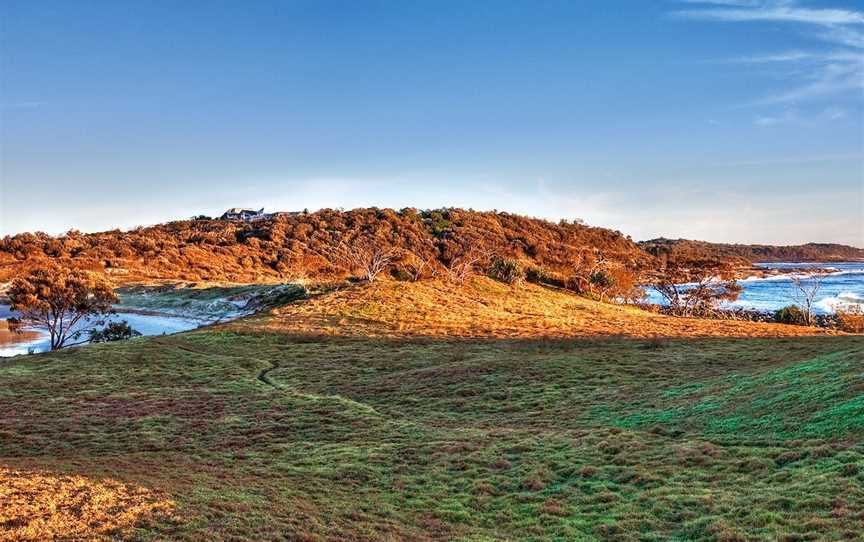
539,275
506,270
744,254
790,314
114,331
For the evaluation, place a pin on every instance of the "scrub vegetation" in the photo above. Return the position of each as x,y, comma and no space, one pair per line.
324,245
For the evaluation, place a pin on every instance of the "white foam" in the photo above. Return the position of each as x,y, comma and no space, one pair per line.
843,300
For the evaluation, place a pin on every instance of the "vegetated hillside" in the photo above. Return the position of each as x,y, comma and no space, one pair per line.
746,254
320,245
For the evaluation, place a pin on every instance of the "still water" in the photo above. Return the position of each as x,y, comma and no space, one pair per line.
146,324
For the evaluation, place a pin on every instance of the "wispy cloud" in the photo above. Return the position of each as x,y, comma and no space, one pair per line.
21,105
829,79
789,117
777,11
817,73
794,117
735,3
803,56
842,35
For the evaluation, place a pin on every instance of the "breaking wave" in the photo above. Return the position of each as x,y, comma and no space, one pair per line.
843,300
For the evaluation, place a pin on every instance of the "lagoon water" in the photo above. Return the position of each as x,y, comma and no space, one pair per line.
158,311
146,324
841,288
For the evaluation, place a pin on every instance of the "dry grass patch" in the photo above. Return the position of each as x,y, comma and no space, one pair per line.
40,506
486,308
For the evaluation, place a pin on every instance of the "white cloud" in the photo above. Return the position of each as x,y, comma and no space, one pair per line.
818,74
788,117
776,11
834,113
842,35
740,3
839,26
803,56
832,78
794,117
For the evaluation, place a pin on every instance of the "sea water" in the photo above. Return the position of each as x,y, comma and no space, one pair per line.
841,287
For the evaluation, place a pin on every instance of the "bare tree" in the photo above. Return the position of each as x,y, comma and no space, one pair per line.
64,302
368,256
588,265
696,288
463,266
804,292
418,266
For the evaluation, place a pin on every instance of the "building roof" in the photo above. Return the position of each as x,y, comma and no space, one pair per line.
238,210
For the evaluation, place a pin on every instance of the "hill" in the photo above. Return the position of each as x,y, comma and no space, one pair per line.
484,308
747,254
319,245
409,411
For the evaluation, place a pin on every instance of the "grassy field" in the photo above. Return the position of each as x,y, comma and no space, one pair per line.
425,411
218,435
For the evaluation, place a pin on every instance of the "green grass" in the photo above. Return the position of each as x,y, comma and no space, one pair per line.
277,438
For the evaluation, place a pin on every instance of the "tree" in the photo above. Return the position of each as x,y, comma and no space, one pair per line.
368,256
417,266
67,303
625,285
804,292
696,287
463,265
601,281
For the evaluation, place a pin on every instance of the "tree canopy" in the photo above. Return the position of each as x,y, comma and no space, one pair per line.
67,303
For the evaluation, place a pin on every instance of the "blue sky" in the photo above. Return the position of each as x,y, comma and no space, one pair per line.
731,120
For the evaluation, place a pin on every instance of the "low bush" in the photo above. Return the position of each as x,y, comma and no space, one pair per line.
115,331
601,279
578,284
506,270
402,274
790,314
539,275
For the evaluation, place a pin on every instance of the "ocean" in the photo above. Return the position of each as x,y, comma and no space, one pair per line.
842,287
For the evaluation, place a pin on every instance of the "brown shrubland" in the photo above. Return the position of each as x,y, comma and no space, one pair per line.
307,245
